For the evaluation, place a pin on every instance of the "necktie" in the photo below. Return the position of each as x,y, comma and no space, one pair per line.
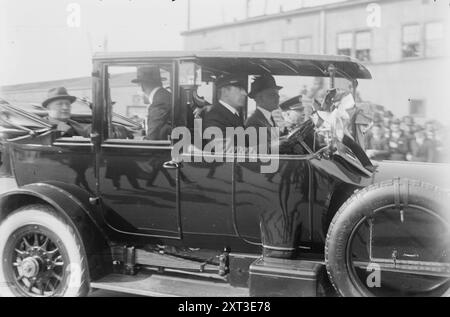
273,121
239,119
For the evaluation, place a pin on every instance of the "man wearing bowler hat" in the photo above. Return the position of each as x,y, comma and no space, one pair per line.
59,106
232,94
159,113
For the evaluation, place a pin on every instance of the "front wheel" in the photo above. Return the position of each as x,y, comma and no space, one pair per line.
41,255
391,239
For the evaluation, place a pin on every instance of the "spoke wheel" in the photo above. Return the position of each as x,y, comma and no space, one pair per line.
38,261
41,255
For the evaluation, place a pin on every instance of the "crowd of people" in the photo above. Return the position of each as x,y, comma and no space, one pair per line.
391,138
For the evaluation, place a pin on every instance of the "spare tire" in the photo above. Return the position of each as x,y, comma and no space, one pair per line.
391,239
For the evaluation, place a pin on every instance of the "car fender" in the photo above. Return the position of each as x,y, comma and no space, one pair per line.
73,203
433,173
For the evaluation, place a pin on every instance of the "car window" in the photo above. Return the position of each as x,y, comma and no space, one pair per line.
140,102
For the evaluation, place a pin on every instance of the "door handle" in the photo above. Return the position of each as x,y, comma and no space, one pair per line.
171,165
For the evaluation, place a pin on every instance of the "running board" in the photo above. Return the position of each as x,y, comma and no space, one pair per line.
158,285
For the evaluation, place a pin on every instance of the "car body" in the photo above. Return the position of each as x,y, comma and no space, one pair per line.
213,213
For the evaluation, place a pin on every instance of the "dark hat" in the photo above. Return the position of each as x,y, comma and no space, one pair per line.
294,103
396,121
388,114
148,74
261,83
236,80
58,93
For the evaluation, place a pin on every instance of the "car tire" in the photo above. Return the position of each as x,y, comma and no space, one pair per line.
48,250
362,204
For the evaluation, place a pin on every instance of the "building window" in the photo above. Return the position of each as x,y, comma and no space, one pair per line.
217,48
290,46
434,39
345,44
300,45
252,47
417,107
362,46
258,47
411,41
245,47
304,45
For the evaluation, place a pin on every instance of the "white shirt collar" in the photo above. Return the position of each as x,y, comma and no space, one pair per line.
233,110
266,114
152,94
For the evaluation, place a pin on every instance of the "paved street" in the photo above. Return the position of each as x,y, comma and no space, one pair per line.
8,184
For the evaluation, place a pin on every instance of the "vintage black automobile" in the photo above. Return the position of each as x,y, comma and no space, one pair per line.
124,214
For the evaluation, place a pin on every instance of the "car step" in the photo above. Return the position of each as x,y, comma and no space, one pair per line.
153,284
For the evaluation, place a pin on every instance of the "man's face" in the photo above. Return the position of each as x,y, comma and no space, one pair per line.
59,110
377,132
146,87
395,128
234,96
294,117
268,99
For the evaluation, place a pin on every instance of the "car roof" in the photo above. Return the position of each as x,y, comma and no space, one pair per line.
253,62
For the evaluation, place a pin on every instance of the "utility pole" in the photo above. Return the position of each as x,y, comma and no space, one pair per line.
105,43
189,15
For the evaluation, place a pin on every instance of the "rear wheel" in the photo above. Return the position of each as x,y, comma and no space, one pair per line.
41,255
391,239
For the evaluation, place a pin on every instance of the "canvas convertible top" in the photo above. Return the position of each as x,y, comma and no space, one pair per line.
255,63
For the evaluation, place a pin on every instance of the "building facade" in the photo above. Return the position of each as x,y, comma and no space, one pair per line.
404,43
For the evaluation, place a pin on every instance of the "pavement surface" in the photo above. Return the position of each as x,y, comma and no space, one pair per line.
7,184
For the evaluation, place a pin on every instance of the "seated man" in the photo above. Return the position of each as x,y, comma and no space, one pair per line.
232,94
265,93
159,114
293,113
58,104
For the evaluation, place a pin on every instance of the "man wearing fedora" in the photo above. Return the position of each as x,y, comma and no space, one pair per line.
59,106
232,94
159,113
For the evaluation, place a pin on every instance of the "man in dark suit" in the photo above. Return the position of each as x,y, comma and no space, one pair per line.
232,94
264,91
159,115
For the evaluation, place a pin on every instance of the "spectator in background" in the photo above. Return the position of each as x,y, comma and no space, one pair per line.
377,146
408,128
430,130
388,117
422,148
398,143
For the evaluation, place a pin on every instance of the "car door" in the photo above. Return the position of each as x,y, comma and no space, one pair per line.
138,188
274,208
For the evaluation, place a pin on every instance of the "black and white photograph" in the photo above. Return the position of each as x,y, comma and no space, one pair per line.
225,152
